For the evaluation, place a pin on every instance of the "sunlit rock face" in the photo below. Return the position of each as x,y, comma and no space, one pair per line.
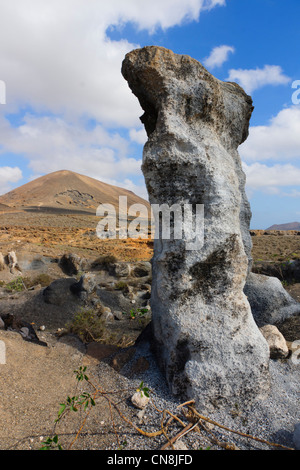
207,341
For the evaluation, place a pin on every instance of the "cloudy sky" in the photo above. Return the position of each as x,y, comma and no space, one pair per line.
65,105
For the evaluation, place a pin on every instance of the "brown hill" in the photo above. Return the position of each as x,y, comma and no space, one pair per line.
66,191
288,226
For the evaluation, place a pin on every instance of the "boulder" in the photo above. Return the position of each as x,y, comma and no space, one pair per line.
277,344
141,269
59,292
270,302
121,270
12,262
206,339
71,264
84,286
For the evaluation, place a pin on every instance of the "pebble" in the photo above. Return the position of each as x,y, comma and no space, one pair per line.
139,400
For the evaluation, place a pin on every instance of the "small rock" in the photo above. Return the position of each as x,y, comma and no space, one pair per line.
118,315
121,270
107,314
296,436
2,324
140,414
276,342
12,262
139,400
61,332
179,445
70,264
24,332
142,269
42,328
2,262
84,286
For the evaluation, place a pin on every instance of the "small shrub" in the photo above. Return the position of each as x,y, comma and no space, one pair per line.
17,285
87,324
121,285
42,279
104,262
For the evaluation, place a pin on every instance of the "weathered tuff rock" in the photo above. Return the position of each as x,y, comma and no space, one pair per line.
208,343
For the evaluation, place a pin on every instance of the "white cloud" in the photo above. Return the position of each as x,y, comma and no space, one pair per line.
52,144
293,193
270,179
218,56
9,175
253,79
139,189
138,135
280,140
57,55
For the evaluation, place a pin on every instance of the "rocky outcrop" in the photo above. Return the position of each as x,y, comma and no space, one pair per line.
208,343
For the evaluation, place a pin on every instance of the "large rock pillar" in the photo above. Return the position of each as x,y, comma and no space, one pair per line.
207,342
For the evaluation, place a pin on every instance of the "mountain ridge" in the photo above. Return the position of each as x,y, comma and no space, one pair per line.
67,190
287,226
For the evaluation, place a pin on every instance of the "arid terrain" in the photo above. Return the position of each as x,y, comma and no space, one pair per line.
36,379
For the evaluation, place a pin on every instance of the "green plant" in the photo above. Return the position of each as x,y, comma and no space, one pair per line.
87,324
121,285
88,401
51,443
17,285
85,400
80,374
143,390
138,312
75,402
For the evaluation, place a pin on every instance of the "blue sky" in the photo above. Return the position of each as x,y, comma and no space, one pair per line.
67,105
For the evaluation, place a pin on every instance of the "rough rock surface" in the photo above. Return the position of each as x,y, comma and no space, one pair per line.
209,345
270,302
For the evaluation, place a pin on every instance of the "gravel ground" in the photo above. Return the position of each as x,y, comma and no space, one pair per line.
272,420
36,379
